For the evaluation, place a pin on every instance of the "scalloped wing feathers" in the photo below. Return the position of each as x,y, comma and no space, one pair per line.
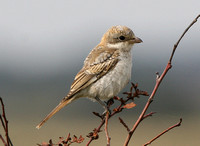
98,63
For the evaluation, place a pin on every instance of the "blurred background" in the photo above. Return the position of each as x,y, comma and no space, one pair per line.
43,45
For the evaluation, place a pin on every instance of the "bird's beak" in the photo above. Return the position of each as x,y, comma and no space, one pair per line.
136,40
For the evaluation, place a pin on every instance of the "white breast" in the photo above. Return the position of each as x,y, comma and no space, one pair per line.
113,82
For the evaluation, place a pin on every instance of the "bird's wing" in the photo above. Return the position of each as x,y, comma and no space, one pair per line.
97,64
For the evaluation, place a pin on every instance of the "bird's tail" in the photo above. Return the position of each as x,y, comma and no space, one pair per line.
63,103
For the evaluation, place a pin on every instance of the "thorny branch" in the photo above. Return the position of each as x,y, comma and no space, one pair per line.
158,81
168,129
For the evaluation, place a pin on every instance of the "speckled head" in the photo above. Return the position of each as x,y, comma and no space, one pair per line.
120,34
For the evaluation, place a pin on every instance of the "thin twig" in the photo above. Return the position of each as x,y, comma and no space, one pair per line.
158,81
148,115
168,129
2,122
2,139
130,96
106,128
89,142
124,124
96,131
177,43
5,122
146,106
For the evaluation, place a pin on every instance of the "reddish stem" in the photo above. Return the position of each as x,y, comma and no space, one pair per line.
106,129
5,125
4,142
176,125
158,81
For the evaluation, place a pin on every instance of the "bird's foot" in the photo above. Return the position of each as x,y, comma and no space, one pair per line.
107,111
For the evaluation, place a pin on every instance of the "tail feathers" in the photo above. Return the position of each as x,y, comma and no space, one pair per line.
63,103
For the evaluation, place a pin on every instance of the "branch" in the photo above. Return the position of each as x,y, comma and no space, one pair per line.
148,115
94,135
4,123
64,142
158,81
177,43
106,128
168,129
124,124
123,105
2,139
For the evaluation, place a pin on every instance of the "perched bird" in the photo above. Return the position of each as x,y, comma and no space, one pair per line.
106,70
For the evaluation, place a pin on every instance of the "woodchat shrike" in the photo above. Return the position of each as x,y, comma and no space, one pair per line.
106,70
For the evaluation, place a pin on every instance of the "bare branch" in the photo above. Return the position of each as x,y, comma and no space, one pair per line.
94,135
98,115
158,81
148,115
123,105
64,142
177,43
126,104
4,123
168,129
124,124
106,128
2,139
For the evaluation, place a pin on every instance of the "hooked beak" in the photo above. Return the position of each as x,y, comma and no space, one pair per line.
136,40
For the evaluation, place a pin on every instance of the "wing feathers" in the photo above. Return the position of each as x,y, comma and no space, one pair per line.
92,71
94,68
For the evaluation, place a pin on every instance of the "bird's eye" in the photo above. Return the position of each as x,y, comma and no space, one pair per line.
122,37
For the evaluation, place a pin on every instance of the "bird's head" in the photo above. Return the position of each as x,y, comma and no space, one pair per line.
120,37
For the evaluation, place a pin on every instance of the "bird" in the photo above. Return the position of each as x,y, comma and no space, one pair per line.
106,70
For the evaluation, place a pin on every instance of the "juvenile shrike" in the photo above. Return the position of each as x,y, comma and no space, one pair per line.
106,70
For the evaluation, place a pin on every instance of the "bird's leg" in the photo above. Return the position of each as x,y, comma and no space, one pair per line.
105,106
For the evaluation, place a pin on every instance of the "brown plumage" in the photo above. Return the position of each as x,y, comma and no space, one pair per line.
101,60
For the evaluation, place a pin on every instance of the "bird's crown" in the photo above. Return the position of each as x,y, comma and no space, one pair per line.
118,34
